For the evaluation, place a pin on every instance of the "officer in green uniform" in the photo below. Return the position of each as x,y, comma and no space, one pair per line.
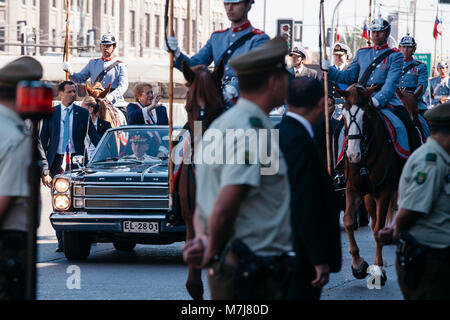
423,221
15,154
242,214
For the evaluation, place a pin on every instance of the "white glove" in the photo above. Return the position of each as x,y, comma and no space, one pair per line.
229,93
375,102
67,67
326,65
173,45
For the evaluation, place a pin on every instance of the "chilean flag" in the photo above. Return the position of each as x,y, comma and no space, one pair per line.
365,33
66,159
437,30
338,36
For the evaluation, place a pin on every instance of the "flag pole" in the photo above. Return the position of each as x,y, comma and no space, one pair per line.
325,82
66,47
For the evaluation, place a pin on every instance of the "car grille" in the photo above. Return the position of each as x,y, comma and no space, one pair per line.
126,197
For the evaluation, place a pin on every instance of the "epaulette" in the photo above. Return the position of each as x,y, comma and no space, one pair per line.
257,31
394,49
366,48
221,31
256,122
419,62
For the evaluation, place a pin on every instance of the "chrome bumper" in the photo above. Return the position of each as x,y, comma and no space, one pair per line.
81,221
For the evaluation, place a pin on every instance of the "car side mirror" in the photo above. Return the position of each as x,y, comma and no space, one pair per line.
79,161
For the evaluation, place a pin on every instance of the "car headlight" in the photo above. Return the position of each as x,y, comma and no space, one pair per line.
62,185
61,202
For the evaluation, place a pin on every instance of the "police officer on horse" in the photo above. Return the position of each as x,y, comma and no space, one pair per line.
414,73
106,70
240,38
378,65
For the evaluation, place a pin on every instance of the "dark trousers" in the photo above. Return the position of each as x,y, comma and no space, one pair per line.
298,285
433,283
13,245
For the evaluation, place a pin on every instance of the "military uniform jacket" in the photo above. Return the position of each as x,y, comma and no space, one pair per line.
387,73
416,76
439,88
219,42
15,155
425,187
117,77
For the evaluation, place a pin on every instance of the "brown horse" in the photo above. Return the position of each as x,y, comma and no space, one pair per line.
409,100
204,103
372,170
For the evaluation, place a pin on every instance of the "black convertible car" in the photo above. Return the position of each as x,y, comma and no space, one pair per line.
119,196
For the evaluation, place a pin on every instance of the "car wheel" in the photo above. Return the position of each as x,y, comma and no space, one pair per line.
77,245
124,245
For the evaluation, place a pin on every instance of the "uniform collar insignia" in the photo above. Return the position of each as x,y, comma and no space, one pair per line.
384,46
242,27
108,59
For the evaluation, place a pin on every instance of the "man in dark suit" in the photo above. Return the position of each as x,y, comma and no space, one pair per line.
314,214
67,126
298,69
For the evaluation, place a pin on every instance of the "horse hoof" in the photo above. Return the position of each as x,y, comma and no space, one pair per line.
383,278
361,272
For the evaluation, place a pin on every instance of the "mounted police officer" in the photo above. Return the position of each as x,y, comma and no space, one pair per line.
414,73
106,70
439,91
378,65
240,38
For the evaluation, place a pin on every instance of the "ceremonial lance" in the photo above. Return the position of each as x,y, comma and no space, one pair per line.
325,74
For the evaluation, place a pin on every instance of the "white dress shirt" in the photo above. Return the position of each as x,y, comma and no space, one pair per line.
299,70
147,118
303,121
65,109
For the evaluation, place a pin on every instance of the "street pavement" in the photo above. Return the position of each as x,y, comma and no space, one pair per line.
157,272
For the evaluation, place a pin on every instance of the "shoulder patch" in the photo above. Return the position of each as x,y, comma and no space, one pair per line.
395,50
420,178
257,31
256,122
431,157
221,31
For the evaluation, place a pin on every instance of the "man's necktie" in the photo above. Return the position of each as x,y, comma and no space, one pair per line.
66,134
297,74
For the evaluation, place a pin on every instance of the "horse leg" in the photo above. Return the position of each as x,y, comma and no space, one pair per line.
194,284
371,207
353,201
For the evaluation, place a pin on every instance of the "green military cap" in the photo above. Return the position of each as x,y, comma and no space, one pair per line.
24,68
270,56
439,114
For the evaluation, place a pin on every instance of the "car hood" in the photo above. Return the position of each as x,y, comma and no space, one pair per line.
139,173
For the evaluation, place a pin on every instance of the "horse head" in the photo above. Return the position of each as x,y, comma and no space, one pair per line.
409,100
97,91
357,107
204,101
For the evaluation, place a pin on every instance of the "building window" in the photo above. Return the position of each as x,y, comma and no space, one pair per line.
112,7
53,39
87,6
2,37
185,34
147,30
175,27
106,7
34,3
200,7
133,27
157,30
194,31
24,2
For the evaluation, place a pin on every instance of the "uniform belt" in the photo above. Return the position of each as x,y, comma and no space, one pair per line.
439,252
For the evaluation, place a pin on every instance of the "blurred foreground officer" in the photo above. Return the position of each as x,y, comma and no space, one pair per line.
423,221
314,222
242,215
15,155
439,86
414,73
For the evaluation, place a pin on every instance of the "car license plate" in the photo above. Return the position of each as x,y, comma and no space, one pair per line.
140,227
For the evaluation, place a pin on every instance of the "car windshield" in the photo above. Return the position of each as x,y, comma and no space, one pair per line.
133,145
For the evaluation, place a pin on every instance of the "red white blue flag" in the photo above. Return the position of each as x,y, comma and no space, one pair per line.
437,30
365,33
66,158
